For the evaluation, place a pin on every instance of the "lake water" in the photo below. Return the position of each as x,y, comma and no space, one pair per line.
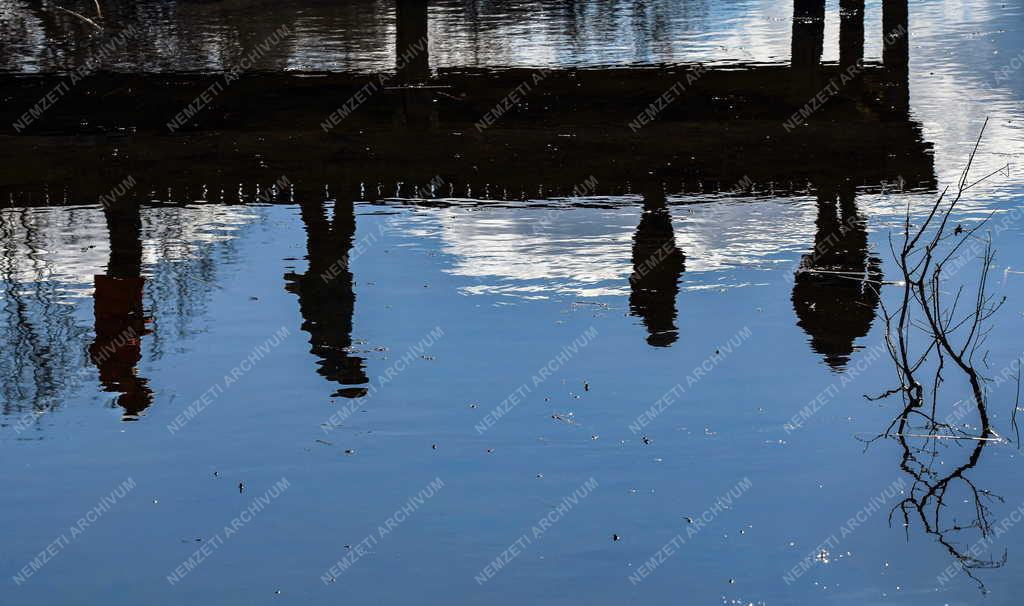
552,373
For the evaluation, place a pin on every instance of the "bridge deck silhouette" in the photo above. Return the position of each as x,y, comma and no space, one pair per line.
512,133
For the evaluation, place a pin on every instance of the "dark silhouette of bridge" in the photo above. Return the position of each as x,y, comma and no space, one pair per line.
720,126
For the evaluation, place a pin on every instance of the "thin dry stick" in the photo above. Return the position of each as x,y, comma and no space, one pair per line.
928,313
82,17
942,436
1016,407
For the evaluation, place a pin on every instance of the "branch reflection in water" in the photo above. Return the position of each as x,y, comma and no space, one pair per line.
936,336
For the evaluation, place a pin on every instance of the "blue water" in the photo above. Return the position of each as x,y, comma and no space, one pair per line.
484,296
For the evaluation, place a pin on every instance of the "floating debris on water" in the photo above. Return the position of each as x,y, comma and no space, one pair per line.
565,417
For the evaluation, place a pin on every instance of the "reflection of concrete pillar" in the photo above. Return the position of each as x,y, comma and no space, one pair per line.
657,269
325,290
412,58
835,294
118,310
808,32
851,32
124,226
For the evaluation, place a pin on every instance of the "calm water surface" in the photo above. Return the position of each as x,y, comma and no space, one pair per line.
355,350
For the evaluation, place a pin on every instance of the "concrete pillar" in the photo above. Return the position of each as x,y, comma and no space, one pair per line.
412,58
808,32
851,32
896,53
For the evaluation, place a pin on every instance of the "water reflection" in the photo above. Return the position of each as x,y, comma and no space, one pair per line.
835,290
527,276
120,321
937,338
43,340
947,502
657,268
148,273
187,35
557,119
728,124
326,297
